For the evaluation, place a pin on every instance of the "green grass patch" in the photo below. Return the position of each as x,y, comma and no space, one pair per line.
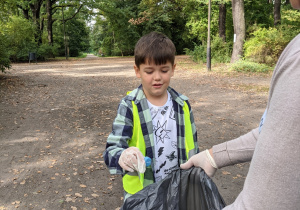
248,66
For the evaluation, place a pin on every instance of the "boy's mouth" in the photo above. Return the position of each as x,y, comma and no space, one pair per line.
157,85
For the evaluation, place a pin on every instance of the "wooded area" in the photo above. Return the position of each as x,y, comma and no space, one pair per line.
253,30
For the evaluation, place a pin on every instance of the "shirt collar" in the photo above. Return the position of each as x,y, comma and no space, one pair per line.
140,96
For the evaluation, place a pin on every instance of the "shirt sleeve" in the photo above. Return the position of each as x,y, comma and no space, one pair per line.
238,150
117,140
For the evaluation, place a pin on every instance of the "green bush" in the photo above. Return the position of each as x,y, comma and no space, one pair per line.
266,45
220,51
248,66
19,34
47,51
4,57
198,54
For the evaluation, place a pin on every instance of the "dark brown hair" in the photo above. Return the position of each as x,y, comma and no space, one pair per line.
154,47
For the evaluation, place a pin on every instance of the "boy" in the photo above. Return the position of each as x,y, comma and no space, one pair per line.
153,120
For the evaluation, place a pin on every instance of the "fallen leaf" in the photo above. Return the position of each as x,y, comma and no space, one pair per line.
226,172
95,195
68,199
23,182
82,185
78,195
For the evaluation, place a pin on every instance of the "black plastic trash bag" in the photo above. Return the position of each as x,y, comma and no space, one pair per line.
188,189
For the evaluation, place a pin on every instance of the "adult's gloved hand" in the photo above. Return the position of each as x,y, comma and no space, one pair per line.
203,160
132,160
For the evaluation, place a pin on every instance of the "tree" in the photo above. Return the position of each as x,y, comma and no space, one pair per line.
35,7
53,6
120,34
222,21
277,16
238,16
19,38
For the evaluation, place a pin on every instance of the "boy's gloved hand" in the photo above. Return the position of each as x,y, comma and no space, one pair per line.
132,160
203,160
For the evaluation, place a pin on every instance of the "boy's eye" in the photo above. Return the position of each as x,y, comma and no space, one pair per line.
148,72
165,70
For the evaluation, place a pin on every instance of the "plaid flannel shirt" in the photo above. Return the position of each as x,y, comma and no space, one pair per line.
122,128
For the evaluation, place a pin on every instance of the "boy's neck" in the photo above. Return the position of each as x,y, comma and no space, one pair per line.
158,101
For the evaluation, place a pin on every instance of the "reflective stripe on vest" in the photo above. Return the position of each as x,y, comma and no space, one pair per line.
133,182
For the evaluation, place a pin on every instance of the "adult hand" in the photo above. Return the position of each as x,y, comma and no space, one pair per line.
132,160
203,160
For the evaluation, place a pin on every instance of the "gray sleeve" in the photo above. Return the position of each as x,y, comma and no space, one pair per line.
238,150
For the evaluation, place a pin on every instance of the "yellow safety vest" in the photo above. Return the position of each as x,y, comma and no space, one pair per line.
134,183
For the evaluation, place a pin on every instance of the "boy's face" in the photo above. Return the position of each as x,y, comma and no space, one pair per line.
155,80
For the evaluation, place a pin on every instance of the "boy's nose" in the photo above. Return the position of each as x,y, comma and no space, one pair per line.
157,76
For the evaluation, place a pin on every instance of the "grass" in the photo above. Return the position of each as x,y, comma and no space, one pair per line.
82,55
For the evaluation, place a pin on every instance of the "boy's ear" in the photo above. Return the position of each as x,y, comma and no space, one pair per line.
173,68
137,71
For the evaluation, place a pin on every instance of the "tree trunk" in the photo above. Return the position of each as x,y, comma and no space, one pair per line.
35,9
222,21
49,22
26,13
277,17
238,15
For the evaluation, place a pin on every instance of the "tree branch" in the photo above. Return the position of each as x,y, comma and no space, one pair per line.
65,20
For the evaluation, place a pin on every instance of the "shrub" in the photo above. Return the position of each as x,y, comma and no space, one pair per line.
19,34
47,51
266,45
198,54
220,51
248,66
4,57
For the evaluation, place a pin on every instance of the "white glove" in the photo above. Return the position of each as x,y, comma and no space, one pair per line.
203,160
132,160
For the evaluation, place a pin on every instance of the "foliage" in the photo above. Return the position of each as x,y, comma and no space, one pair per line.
290,18
259,13
4,57
197,21
119,24
47,51
220,51
77,37
19,36
248,66
198,54
266,45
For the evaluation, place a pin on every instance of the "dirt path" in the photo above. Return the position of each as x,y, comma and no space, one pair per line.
55,118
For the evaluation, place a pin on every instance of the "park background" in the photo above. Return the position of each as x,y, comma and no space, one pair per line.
252,33
56,113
